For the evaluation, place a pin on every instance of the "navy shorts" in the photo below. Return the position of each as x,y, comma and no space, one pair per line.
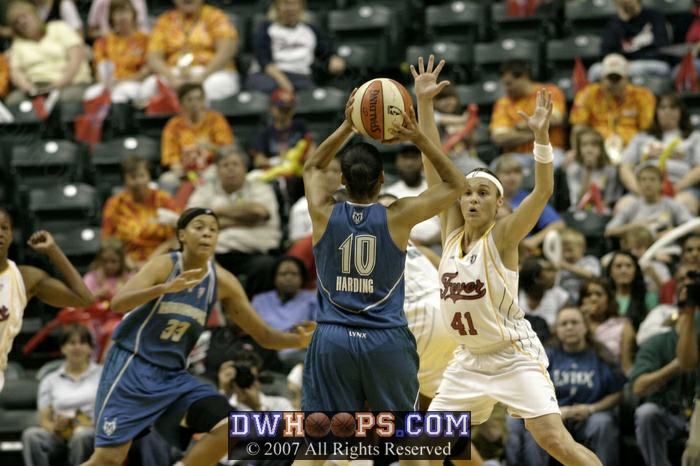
133,393
346,366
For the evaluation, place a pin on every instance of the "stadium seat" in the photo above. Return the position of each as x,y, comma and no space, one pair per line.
484,94
358,61
33,164
323,109
537,27
488,57
79,243
48,368
672,9
61,204
588,16
14,371
458,21
245,112
656,84
377,27
458,59
18,407
562,53
592,225
107,158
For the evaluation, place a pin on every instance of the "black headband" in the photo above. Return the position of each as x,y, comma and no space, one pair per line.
187,217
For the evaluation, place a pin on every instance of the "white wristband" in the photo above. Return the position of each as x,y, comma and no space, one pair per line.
543,153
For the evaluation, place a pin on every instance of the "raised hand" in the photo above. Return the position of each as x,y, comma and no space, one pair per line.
426,85
186,279
539,121
41,241
408,133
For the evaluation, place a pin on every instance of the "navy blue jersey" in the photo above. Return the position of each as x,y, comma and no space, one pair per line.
360,269
164,330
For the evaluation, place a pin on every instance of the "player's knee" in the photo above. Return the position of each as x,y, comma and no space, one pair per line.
551,435
207,413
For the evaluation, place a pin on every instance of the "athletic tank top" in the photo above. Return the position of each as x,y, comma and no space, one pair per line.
13,300
360,269
164,330
479,295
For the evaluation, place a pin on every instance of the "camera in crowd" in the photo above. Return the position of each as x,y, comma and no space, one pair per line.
245,377
693,289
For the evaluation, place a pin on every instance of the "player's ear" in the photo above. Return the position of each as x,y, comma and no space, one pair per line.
343,180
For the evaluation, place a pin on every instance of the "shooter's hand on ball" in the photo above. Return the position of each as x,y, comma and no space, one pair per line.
348,112
409,132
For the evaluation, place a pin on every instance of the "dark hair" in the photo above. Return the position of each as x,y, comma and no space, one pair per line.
408,150
684,124
637,309
362,167
613,309
76,329
188,215
299,263
133,162
529,276
250,357
650,168
186,88
518,68
7,214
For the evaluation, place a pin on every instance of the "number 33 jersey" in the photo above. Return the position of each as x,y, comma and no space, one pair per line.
164,330
360,269
478,295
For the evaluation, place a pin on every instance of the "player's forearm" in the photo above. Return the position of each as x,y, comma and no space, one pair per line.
606,403
689,180
687,346
322,156
426,122
627,178
83,296
512,137
128,300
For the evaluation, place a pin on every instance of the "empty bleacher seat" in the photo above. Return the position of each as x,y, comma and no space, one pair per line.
58,205
484,94
537,27
588,16
79,243
245,112
323,109
458,59
489,56
592,225
458,21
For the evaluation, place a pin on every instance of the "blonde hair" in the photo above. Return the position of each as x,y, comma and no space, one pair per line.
273,13
571,236
26,6
508,163
638,235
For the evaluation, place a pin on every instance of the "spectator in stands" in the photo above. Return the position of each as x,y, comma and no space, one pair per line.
239,380
510,172
281,147
631,294
637,33
538,294
19,284
288,303
60,10
409,166
687,356
615,108
299,218
249,219
195,43
4,76
132,215
45,56
651,209
637,241
591,166
588,385
690,254
100,24
191,139
285,46
663,377
598,304
120,57
66,404
575,267
673,145
450,121
508,130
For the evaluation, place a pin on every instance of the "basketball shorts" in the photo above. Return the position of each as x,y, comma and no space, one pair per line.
348,366
514,374
134,393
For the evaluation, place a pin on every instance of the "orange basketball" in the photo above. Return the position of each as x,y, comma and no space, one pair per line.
317,425
378,103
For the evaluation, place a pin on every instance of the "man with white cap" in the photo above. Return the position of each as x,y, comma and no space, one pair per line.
615,108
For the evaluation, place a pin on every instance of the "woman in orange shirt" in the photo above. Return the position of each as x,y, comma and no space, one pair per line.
195,43
120,57
190,140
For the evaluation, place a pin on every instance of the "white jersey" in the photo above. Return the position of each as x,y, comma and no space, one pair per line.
13,300
422,308
479,296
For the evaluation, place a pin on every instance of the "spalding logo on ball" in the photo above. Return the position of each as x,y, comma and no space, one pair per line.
378,103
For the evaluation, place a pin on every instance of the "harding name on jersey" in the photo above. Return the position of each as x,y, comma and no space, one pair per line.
355,285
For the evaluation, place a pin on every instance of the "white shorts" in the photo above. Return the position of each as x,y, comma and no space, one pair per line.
434,344
514,374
